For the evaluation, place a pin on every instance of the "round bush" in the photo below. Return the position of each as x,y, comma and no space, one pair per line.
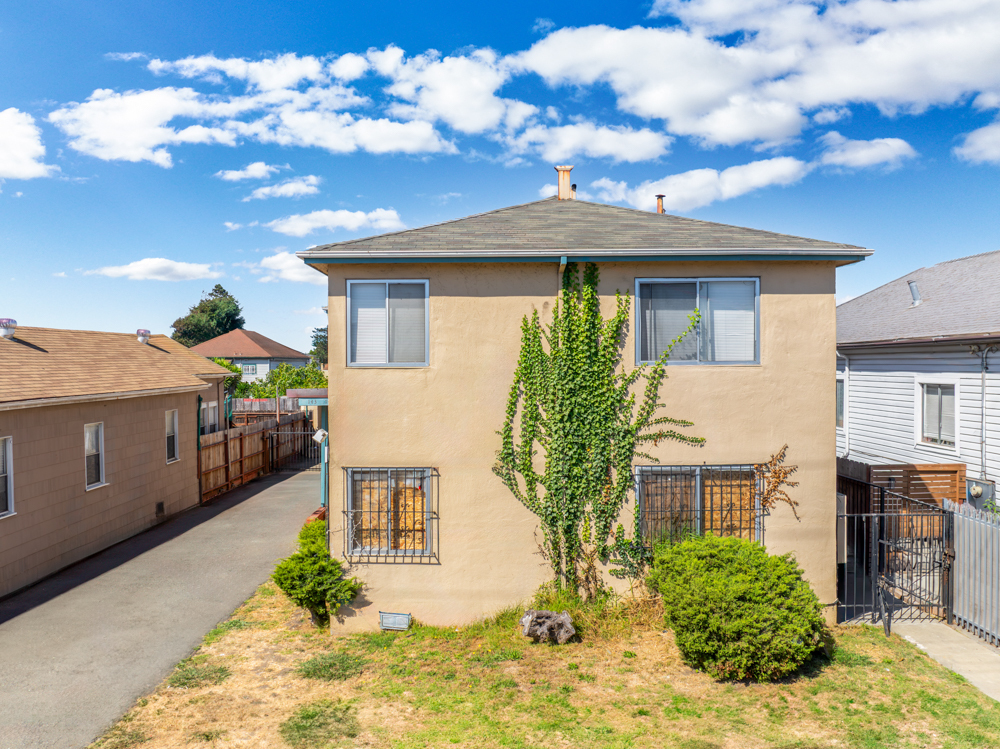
736,612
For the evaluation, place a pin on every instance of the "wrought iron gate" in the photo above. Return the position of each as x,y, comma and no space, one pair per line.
294,451
894,556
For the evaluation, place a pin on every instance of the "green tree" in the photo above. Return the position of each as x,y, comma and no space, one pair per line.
218,312
230,383
573,429
318,352
281,379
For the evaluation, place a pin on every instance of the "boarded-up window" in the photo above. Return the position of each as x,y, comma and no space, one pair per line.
676,501
388,511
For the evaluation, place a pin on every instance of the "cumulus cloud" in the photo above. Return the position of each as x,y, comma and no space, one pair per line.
125,56
290,188
299,225
22,152
543,26
157,269
556,144
981,146
256,170
285,266
282,72
839,151
700,187
349,67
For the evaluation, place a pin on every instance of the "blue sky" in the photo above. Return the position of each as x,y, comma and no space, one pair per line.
151,150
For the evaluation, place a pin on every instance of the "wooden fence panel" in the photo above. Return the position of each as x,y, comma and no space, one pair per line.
931,483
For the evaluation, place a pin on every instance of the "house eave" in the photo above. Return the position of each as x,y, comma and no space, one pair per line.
92,397
968,338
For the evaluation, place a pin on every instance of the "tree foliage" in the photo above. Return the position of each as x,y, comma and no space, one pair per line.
218,312
319,352
230,383
284,377
574,425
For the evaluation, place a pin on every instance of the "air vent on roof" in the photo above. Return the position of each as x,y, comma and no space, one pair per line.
915,293
7,328
142,335
659,203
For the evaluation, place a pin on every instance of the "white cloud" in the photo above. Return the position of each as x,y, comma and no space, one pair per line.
839,151
60,274
125,56
282,72
290,188
981,146
700,187
349,67
550,191
157,269
256,170
543,26
555,144
231,226
299,225
286,267
22,152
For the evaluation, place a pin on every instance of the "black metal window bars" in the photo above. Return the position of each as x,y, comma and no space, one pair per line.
680,501
390,514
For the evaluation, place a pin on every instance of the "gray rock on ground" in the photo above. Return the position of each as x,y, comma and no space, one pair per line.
547,626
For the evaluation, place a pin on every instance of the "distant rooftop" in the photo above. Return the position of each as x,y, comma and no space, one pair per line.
551,228
959,300
246,344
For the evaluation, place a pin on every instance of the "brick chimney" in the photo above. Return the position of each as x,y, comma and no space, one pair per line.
566,191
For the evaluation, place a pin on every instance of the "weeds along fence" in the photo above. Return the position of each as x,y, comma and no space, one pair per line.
232,457
976,571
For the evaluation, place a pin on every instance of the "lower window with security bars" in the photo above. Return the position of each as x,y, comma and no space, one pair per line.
680,501
390,514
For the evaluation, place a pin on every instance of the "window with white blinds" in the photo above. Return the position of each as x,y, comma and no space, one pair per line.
93,449
726,331
171,426
387,323
938,414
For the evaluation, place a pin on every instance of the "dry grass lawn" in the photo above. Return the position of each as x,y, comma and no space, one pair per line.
485,686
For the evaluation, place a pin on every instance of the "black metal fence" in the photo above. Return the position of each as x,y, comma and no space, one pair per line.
294,451
893,555
678,501
390,514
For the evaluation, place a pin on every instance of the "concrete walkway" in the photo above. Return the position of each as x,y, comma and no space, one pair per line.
957,651
77,650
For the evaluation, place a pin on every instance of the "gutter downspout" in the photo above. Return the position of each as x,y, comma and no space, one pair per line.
983,352
847,389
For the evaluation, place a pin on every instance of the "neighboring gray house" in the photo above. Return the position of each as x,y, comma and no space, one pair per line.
254,353
918,369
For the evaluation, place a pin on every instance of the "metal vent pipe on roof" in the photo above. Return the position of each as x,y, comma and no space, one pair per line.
915,293
659,203
142,335
7,328
564,190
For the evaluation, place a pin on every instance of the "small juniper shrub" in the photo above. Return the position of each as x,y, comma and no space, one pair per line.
736,612
312,578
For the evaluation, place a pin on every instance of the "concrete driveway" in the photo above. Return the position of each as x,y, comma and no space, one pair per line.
77,650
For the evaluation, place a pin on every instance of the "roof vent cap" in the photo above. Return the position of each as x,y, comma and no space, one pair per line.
143,335
7,327
915,293
659,203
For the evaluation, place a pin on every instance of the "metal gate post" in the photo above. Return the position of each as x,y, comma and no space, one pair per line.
947,586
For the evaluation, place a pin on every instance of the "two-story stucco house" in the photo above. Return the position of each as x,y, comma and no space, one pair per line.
424,336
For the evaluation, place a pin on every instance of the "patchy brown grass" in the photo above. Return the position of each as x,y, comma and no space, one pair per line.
623,685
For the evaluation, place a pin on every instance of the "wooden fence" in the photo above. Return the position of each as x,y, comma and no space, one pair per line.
232,457
928,482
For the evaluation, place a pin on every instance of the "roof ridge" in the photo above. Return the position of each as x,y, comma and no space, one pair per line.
967,257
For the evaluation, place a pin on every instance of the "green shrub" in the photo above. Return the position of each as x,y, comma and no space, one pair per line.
312,578
737,612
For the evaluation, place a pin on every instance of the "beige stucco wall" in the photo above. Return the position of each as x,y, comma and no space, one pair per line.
57,521
446,415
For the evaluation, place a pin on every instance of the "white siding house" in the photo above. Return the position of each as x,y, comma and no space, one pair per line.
918,363
253,353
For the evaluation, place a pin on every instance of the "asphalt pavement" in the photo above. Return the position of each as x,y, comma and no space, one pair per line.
78,649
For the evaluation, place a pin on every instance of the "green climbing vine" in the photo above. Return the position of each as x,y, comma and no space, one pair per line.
574,426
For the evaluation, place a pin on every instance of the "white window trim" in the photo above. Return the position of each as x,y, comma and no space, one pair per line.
918,413
103,481
841,377
8,443
203,422
698,281
177,439
248,369
427,324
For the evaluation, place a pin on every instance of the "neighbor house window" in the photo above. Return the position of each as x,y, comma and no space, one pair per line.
6,478
250,369
387,323
171,418
389,511
209,417
938,424
93,441
725,334
840,404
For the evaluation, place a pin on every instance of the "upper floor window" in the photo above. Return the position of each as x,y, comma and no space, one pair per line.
938,423
726,332
93,443
209,417
171,425
6,479
840,403
250,369
387,323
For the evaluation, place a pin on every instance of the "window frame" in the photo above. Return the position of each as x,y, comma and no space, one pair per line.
248,369
7,445
918,412
841,416
371,554
698,280
427,324
177,449
100,438
206,408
